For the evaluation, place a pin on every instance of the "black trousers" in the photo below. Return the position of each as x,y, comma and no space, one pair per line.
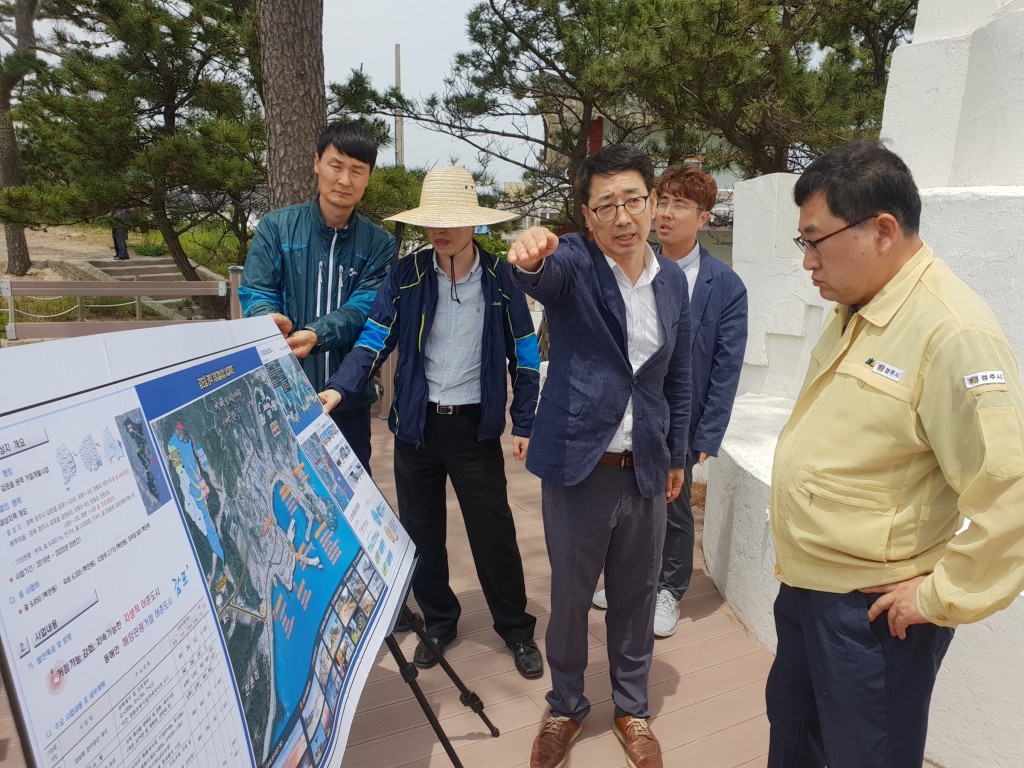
355,426
120,242
843,692
677,554
477,471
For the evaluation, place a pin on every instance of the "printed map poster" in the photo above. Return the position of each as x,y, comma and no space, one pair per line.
198,569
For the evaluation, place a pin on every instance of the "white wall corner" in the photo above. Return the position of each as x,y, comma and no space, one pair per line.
922,106
937,19
785,311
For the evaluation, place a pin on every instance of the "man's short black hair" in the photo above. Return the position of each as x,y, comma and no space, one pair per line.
613,159
860,179
350,139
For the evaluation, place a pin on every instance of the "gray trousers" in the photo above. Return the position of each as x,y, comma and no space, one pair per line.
602,523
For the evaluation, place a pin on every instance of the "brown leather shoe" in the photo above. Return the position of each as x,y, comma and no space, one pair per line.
552,743
642,749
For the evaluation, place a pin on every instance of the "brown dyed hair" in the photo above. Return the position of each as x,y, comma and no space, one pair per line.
690,182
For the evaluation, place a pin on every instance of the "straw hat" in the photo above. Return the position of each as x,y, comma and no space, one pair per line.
448,199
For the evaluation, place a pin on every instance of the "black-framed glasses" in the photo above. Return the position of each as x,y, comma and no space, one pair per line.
634,206
803,245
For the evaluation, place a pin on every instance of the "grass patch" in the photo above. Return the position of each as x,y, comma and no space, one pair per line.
147,244
212,245
215,247
61,309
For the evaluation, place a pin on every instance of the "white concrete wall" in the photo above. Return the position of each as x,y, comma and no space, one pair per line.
939,19
738,548
785,311
922,109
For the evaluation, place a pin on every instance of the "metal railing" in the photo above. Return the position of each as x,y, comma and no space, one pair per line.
82,289
151,289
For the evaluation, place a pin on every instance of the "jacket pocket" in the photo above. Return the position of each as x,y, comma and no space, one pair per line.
1004,452
569,402
850,518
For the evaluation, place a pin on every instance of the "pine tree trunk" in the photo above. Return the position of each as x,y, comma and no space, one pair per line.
171,240
18,261
294,93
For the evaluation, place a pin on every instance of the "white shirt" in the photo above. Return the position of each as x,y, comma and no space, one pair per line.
643,333
690,264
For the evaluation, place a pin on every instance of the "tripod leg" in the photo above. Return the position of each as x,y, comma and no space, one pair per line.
468,698
409,673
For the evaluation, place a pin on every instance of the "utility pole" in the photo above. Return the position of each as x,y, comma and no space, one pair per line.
399,120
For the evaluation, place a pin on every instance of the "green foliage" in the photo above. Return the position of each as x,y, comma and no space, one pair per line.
355,100
151,107
391,189
754,85
492,244
762,86
212,245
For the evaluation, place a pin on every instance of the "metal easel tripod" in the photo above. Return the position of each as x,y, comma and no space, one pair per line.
409,673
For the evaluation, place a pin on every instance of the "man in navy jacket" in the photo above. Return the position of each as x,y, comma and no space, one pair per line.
459,323
610,440
718,338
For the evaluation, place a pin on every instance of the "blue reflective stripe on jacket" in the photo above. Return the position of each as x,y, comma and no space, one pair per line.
403,314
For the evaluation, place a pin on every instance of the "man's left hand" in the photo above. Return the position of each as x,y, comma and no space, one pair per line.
302,342
703,457
519,447
674,484
900,600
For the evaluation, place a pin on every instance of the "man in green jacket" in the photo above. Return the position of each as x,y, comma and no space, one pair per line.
316,267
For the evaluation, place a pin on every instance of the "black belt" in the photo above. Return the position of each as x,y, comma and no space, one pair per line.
453,410
620,460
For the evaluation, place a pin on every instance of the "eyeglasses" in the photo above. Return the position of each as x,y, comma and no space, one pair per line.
677,206
803,245
633,206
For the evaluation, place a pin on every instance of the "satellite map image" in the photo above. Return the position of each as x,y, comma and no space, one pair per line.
266,517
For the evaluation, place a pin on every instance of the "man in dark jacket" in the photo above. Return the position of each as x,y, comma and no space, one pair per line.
718,338
458,321
316,267
611,439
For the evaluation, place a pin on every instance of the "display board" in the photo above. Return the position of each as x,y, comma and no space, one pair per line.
197,569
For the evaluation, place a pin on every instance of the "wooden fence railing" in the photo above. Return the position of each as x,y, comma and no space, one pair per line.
139,290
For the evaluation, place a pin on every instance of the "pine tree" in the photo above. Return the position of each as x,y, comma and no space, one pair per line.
14,66
151,108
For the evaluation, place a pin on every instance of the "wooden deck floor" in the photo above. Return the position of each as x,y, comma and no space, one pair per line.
707,681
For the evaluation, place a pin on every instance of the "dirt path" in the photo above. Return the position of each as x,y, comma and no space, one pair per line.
57,244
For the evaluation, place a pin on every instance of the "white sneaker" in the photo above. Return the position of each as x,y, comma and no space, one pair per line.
666,614
600,600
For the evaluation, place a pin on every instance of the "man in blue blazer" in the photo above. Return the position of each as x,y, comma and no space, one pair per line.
718,338
610,439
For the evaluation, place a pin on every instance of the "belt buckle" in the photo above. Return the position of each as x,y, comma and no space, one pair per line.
445,410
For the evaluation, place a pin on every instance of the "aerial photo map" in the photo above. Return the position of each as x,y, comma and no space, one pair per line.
292,589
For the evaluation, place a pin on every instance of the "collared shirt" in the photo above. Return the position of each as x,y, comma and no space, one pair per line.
643,333
453,348
909,420
690,264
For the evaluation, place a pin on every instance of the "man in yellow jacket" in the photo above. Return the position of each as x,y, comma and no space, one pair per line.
908,422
